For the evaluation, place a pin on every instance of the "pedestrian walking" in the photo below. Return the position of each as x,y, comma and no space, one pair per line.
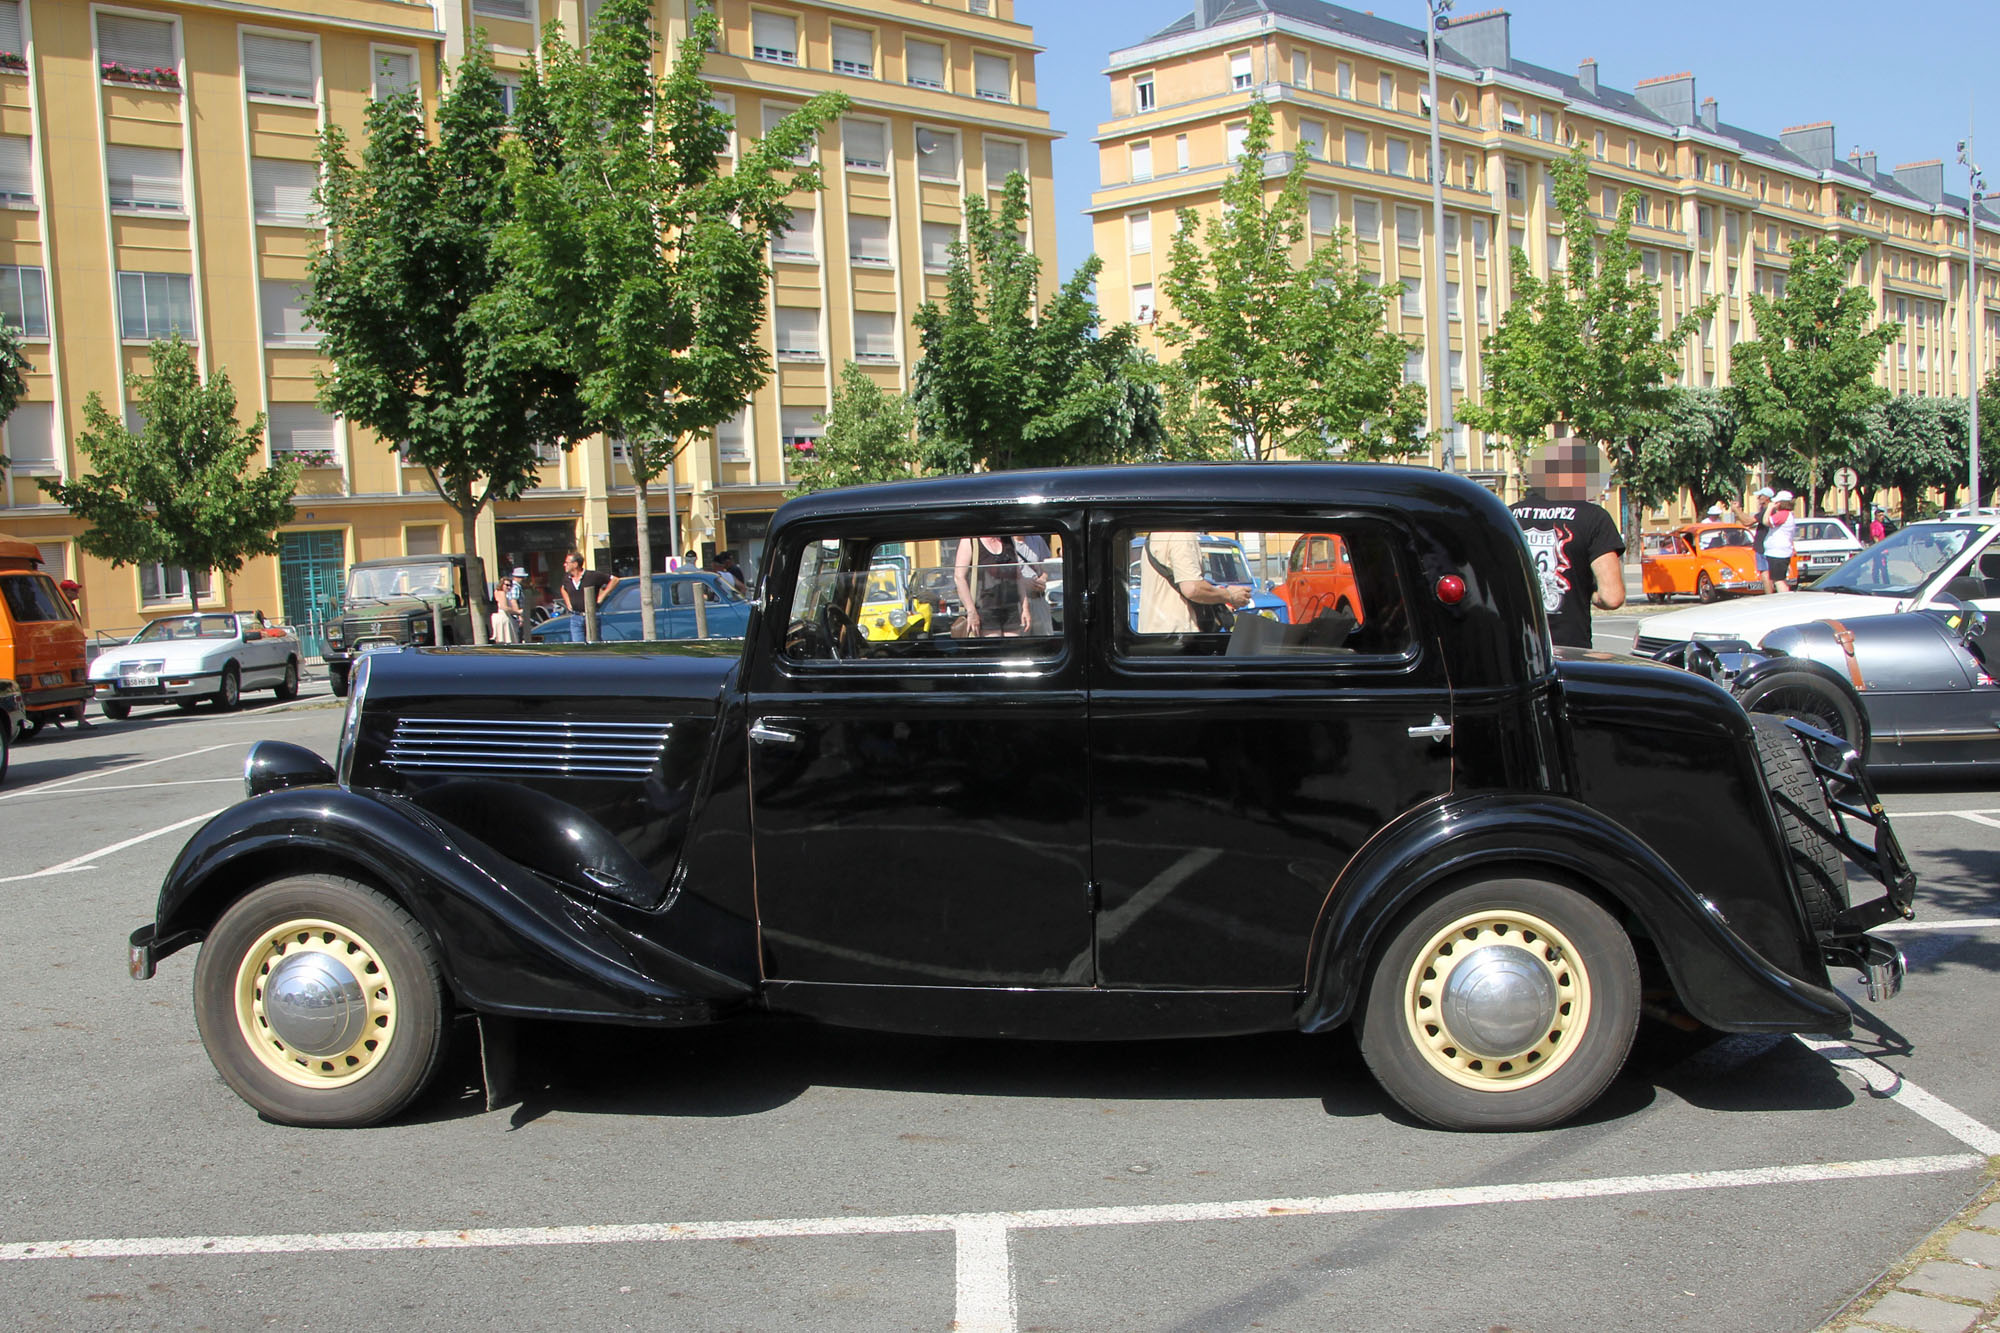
1782,532
1760,530
1577,548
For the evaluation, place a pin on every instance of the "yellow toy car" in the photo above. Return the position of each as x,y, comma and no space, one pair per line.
887,611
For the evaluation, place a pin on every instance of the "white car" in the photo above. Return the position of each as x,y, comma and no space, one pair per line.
1910,569
184,659
1820,546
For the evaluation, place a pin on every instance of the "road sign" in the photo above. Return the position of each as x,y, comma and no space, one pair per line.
1845,478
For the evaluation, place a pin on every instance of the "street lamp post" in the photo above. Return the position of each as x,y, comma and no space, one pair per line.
1974,183
1439,306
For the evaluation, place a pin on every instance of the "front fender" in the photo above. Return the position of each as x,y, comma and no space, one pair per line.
1720,979
1835,681
508,940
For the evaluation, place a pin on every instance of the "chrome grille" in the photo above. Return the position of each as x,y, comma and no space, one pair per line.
153,667
497,745
1652,647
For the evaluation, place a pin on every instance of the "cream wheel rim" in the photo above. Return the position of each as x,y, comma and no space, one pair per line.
1537,964
359,1019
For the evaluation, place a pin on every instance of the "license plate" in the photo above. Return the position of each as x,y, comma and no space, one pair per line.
380,647
141,682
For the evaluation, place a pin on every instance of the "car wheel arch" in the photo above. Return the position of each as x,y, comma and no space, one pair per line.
1749,680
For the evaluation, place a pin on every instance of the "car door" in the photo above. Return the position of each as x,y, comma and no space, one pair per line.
919,806
1234,775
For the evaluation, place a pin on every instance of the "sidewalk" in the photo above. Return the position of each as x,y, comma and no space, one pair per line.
1948,1284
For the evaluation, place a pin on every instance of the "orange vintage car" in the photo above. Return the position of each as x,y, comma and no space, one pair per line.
1320,578
1702,559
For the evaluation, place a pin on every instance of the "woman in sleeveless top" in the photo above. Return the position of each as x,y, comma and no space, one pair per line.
989,573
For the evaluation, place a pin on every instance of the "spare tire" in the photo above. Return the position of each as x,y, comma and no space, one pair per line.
1817,863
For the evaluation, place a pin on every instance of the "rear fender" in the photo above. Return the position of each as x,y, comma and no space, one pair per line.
510,941
1719,978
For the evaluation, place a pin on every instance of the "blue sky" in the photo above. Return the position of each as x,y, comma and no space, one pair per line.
1897,78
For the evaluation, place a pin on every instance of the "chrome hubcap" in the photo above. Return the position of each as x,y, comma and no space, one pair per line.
1498,1000
314,1004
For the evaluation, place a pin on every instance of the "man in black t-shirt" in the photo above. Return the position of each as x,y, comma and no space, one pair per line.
576,579
1576,546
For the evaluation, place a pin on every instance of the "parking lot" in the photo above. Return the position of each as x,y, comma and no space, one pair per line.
764,1176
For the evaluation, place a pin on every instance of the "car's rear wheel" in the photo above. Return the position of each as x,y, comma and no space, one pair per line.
1504,1004
229,693
337,678
1801,808
1704,587
320,1002
288,687
117,712
1816,702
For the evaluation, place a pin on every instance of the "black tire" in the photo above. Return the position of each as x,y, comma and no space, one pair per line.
1704,587
1817,865
402,1037
115,711
6,745
1656,598
1803,695
228,696
187,705
1591,979
288,686
337,678
33,726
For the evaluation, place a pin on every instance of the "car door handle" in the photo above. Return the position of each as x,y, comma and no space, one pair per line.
764,732
1437,729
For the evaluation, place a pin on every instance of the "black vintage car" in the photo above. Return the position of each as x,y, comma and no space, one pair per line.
1418,819
398,602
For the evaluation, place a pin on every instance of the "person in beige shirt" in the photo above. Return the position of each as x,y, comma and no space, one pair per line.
1167,606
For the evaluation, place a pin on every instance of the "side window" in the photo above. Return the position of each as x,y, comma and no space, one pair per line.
1333,594
955,596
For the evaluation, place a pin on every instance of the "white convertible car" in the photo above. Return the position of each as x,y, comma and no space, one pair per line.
185,659
1923,565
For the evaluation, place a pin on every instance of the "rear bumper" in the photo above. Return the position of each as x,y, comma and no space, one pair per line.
43,698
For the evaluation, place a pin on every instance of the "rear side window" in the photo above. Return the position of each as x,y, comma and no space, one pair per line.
1330,594
34,599
959,596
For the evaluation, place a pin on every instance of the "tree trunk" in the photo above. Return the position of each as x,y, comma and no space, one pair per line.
194,591
639,497
475,589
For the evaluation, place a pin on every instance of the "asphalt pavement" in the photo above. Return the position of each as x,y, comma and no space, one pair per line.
777,1176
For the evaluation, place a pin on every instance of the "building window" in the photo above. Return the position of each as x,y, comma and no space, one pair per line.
10,33
31,436
159,584
1399,157
853,51
1139,233
1143,309
1721,173
1182,159
798,334
423,539
154,305
1302,69
1479,238
1481,310
1413,297
799,428
1649,265
1555,253
278,67
283,304
1413,367
1632,153
774,38
24,301
1322,213
923,64
1142,93
732,439
137,50
1642,210
992,78
864,144
773,116
938,238
794,241
1236,139
1598,146
1610,202
724,105
518,10
1312,140
1367,219
1142,160
1004,158
1355,147
937,154
1385,90
302,431
1471,172
868,241
1239,69
281,191
1409,226
1453,307
148,179
510,91
1510,115
17,174
1517,186
1456,360
874,336
395,74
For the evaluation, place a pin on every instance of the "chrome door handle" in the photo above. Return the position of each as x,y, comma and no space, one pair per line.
1437,729
763,732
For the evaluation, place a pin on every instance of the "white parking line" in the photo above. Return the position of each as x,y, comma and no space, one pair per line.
1947,923
1938,814
1979,817
88,860
110,772
134,786
1886,1082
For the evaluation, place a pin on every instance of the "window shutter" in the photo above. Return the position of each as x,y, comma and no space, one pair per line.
732,439
795,239
926,64
938,238
284,305
798,331
135,43
937,155
10,28
1004,158
299,427
278,67
774,37
865,143
874,336
395,73
868,240
23,303
17,177
503,9
282,189
798,427
31,437
853,51
993,78
1142,161
1322,211
143,177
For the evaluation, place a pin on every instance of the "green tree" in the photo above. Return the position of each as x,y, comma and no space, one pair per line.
13,370
635,260
1583,347
1802,388
410,251
1912,444
870,437
1692,446
1292,354
1008,380
180,492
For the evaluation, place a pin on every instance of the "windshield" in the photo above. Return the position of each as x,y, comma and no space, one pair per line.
1724,537
382,582
1224,565
885,584
1900,563
188,627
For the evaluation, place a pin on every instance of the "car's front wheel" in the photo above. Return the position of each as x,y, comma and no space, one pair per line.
1817,702
336,677
288,686
117,712
321,1003
1704,587
1504,1004
229,693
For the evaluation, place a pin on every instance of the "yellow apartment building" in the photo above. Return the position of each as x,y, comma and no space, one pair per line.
156,168
1720,206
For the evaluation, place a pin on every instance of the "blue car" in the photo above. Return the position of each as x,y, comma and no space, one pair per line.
673,612
1224,564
